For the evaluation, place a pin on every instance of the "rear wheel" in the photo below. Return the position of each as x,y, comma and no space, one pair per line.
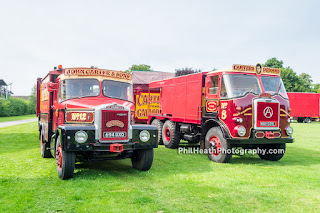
142,159
65,161
218,148
277,149
159,125
307,120
300,120
45,147
170,136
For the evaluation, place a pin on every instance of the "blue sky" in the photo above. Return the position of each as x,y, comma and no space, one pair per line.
35,36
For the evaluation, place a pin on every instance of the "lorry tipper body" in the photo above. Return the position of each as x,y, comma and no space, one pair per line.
305,107
246,106
88,114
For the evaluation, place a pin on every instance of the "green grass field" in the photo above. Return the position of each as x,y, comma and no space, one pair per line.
15,118
175,183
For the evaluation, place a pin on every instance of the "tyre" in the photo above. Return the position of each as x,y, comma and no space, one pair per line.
170,137
45,147
272,157
159,125
300,120
142,159
218,149
65,162
307,120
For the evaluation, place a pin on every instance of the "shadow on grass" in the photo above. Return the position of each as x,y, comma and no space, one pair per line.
294,156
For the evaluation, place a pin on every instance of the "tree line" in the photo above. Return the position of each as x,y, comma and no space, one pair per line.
291,80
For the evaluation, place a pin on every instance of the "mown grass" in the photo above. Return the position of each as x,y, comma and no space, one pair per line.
16,118
175,183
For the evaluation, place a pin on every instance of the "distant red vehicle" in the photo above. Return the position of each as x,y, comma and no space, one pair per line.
144,101
246,106
305,107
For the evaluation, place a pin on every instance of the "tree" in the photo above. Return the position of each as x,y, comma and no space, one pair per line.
316,88
186,71
139,67
291,81
306,80
274,62
33,100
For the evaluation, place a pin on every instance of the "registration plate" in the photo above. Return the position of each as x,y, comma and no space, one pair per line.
267,123
114,134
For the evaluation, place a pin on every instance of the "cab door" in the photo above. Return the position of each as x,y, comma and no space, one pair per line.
212,94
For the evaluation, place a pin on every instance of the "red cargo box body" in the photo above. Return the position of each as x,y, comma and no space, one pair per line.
141,80
304,104
181,97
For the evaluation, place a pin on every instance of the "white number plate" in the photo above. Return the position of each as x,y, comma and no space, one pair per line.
114,134
268,123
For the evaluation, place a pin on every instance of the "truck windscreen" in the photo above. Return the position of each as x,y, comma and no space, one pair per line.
116,89
274,85
78,88
237,85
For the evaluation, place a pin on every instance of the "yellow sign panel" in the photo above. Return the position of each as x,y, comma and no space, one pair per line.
258,69
98,72
146,104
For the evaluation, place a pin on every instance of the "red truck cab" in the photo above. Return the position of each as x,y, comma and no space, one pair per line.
88,114
246,106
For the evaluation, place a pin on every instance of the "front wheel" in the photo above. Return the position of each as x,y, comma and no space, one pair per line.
218,149
142,159
65,161
272,152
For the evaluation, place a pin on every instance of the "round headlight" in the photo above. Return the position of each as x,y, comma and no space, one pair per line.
289,130
81,136
144,136
241,131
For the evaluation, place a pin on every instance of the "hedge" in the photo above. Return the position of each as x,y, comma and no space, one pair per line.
16,106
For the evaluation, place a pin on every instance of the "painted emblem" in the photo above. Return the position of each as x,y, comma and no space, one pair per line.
212,106
114,123
268,112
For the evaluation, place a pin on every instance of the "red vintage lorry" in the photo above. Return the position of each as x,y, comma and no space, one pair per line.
246,106
305,106
88,114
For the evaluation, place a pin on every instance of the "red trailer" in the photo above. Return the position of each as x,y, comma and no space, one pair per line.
145,101
304,106
246,106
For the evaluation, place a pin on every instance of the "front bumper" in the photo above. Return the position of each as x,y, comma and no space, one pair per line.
67,135
251,141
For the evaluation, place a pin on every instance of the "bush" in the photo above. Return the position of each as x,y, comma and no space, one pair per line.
15,107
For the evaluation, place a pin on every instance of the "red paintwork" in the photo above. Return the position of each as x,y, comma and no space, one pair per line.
304,104
217,148
167,133
57,116
59,157
181,97
113,116
262,108
181,101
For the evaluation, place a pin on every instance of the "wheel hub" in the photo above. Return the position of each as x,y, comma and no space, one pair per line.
59,157
214,146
